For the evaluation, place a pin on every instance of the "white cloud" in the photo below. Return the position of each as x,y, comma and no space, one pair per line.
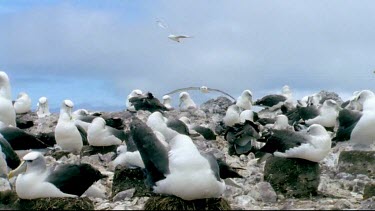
237,45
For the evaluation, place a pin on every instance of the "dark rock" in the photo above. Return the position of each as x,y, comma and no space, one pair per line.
8,200
292,177
176,203
127,178
26,120
79,203
369,190
368,204
330,95
88,150
216,106
357,162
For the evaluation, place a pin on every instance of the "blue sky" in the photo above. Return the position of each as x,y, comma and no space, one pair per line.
96,52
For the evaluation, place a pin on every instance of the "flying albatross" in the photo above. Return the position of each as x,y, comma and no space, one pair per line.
203,89
171,36
67,180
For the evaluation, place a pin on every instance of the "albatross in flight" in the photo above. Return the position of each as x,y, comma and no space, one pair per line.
203,89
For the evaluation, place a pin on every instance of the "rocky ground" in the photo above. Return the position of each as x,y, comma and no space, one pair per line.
337,189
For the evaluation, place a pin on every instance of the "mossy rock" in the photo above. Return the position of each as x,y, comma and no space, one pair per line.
292,177
91,150
176,203
127,178
25,120
357,162
57,204
369,190
8,200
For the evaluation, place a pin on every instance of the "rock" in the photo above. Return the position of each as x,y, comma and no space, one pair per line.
8,200
369,190
267,194
342,204
325,95
79,203
292,177
124,194
88,150
4,185
357,162
216,106
176,203
245,201
127,178
368,204
26,120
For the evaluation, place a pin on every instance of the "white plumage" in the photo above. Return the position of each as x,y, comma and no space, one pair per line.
167,102
157,122
363,134
126,158
186,102
32,184
316,149
232,115
66,133
23,103
3,164
247,115
99,135
42,109
134,93
190,175
7,112
245,100
328,113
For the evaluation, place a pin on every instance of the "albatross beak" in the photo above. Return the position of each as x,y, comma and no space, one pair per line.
20,169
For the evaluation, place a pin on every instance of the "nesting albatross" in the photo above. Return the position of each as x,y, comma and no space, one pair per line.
7,112
182,171
312,144
69,136
68,180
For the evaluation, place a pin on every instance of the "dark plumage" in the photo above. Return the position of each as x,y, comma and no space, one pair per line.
348,119
240,135
74,179
282,140
207,133
21,140
11,156
153,152
270,100
178,125
147,102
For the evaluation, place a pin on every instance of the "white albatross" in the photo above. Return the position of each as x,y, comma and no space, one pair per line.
68,180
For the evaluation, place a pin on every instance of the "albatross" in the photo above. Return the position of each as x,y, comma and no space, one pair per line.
312,144
182,170
7,112
67,180
203,89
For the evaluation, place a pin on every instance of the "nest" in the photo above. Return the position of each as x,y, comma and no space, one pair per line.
57,204
176,203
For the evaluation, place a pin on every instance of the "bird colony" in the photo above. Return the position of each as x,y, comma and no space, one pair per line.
215,150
